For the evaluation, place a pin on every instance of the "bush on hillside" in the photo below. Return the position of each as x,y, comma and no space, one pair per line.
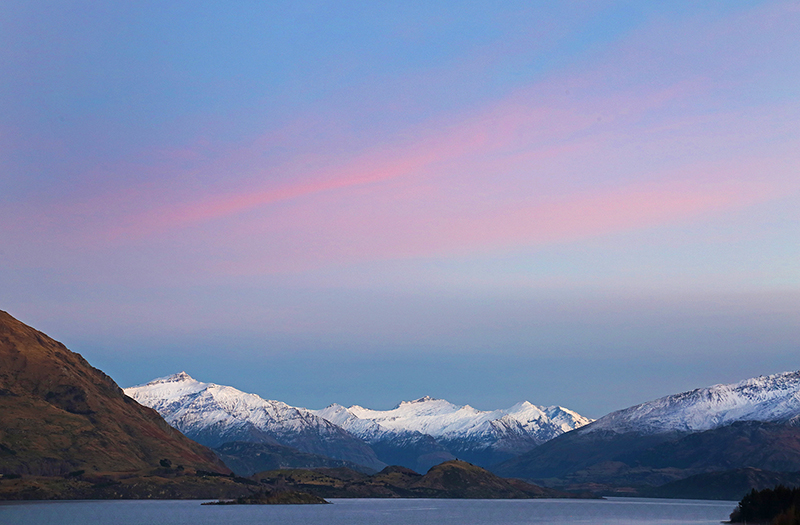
778,506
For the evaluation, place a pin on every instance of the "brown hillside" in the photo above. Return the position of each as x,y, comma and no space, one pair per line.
58,415
451,479
459,479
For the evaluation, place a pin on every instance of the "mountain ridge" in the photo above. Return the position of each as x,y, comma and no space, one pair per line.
215,414
774,398
481,437
749,424
417,434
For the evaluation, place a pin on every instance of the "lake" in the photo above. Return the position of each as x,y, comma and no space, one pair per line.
618,511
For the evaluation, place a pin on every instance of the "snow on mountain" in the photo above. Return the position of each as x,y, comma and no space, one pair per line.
214,414
774,398
448,422
417,434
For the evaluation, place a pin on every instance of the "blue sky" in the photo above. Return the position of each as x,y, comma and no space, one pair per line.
589,204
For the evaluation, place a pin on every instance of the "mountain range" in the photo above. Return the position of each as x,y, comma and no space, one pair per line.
214,414
750,424
773,398
714,431
415,434
481,437
68,431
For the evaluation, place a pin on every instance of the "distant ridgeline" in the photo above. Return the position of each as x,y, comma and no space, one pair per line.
778,506
416,434
710,443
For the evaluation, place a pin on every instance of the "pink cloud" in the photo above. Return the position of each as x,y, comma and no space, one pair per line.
493,180
537,166
515,131
505,127
381,225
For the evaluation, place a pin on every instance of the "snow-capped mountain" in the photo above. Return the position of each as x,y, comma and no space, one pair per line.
442,419
214,414
483,437
774,398
750,424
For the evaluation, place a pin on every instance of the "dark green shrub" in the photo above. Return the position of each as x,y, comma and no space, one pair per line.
779,506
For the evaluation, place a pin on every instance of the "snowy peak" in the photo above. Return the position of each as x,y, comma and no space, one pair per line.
215,414
441,419
418,432
427,431
423,399
774,398
565,418
423,405
182,399
180,377
166,389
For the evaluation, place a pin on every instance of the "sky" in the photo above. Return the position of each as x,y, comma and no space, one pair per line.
587,204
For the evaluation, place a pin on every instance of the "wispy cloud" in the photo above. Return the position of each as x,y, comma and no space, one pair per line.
575,154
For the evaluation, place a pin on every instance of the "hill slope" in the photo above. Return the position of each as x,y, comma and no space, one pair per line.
59,415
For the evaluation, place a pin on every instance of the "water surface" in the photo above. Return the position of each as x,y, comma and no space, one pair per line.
618,511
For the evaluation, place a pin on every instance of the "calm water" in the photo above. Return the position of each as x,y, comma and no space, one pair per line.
372,511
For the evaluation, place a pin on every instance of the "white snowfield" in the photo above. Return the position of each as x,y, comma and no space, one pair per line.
216,413
223,413
446,421
774,398
192,406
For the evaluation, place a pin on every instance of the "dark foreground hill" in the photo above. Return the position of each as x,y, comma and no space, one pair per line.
160,483
60,415
452,479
